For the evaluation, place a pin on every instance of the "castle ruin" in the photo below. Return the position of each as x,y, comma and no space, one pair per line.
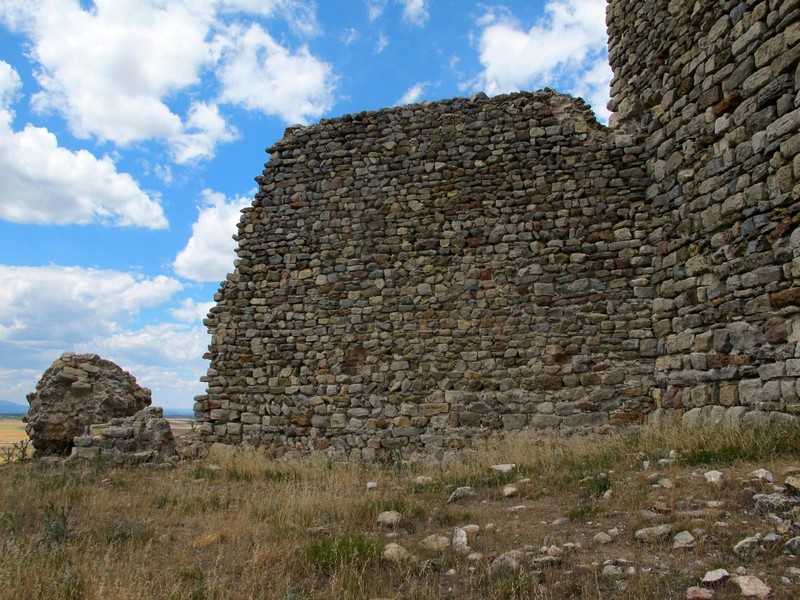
412,278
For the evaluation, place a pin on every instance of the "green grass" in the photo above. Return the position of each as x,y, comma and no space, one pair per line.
341,551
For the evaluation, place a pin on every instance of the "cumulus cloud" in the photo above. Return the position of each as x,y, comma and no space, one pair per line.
209,254
415,12
205,128
553,52
111,70
62,305
257,73
414,93
46,183
381,44
375,8
162,344
191,311
349,36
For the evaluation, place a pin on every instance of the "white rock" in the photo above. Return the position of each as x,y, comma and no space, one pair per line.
715,576
472,529
698,593
684,539
762,474
474,556
504,468
602,538
510,491
516,509
390,518
653,534
460,494
792,485
422,480
436,543
752,587
508,561
460,542
749,547
395,553
372,485
715,477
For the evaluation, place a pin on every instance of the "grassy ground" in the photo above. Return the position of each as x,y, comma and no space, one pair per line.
251,527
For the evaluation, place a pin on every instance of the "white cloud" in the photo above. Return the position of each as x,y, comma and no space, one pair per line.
111,70
415,12
349,36
161,344
257,73
414,93
205,129
10,85
594,87
301,16
66,305
209,254
107,70
375,8
381,44
555,51
46,183
191,311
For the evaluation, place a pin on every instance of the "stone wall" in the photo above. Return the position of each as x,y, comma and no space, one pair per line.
719,107
411,278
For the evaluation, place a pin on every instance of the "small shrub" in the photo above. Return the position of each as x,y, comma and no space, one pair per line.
162,500
452,518
333,553
55,525
595,487
125,531
583,511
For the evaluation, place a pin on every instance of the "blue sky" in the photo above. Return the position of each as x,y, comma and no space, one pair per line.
131,131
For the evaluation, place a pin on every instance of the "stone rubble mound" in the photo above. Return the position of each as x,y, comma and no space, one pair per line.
79,390
144,438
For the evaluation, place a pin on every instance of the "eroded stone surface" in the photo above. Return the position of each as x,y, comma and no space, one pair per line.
79,390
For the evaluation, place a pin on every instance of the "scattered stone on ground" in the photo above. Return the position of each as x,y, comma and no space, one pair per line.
390,518
461,494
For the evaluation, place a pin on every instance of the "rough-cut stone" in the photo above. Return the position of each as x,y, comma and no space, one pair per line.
751,586
461,494
395,553
390,518
698,593
435,543
60,409
144,438
650,535
716,576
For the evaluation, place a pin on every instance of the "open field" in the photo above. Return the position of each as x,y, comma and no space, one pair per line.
12,429
245,526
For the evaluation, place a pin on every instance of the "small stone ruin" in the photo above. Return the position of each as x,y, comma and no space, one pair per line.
79,390
144,438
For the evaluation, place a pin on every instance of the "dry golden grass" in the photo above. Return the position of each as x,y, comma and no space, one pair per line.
241,528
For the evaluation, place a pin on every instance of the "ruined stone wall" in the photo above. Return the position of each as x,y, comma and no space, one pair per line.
411,277
713,88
